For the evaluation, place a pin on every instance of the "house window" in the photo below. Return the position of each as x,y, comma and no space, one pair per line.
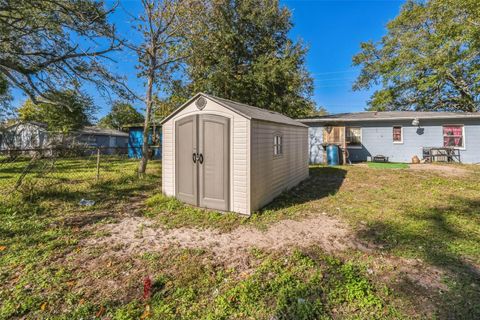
277,145
353,136
397,134
453,136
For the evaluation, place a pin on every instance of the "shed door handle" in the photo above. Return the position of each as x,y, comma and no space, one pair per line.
200,158
194,158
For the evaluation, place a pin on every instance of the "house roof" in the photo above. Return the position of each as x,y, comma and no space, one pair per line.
32,123
391,115
94,130
245,110
141,124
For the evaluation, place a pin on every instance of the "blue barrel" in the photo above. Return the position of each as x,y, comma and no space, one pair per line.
332,155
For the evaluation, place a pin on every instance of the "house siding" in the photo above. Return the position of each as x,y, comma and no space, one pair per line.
271,175
315,140
377,139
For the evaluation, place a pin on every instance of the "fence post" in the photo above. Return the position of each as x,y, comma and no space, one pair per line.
98,165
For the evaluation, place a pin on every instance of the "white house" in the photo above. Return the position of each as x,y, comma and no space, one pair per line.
34,135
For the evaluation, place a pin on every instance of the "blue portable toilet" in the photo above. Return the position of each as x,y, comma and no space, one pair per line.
135,142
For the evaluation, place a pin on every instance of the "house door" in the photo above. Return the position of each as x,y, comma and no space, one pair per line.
202,161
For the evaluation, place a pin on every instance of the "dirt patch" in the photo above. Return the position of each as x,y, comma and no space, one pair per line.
441,169
111,264
138,234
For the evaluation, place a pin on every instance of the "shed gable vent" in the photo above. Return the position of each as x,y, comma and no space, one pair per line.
201,103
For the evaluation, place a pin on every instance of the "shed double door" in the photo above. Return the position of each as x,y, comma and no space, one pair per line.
202,161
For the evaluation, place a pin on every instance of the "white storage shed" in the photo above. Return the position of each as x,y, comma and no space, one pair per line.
228,156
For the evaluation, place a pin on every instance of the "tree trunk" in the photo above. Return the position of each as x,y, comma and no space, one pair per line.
142,166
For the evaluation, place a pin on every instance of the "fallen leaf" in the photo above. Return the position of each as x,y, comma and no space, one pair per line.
43,306
71,283
100,312
146,312
82,301
2,248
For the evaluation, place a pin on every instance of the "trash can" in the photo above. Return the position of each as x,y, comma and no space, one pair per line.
333,155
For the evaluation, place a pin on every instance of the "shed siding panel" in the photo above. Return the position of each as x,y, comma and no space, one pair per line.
168,156
377,139
240,164
272,175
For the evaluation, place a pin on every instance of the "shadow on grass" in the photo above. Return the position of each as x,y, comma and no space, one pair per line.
106,194
436,240
322,182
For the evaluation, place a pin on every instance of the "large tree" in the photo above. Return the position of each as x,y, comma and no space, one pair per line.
122,114
53,45
75,112
428,60
161,27
241,50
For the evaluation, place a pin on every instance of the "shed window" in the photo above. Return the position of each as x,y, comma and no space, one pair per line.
353,136
397,134
277,145
453,136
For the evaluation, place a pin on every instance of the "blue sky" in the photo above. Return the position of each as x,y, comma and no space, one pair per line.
332,30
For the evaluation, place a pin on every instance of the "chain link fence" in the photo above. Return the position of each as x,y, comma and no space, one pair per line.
33,172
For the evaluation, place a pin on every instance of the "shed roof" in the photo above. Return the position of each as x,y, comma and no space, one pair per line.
245,110
391,115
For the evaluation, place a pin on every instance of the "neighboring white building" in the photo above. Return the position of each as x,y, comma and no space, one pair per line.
24,135
229,156
34,135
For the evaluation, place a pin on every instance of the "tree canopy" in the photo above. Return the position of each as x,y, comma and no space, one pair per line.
122,114
428,60
74,113
241,50
5,99
53,45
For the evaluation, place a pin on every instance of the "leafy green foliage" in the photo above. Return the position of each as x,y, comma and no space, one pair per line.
176,94
56,45
318,111
428,60
5,98
240,50
122,114
75,112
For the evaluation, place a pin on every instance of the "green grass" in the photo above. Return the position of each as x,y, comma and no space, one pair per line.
44,266
387,165
300,285
42,223
429,216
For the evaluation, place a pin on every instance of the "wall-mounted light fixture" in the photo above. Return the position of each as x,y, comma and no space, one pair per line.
416,122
